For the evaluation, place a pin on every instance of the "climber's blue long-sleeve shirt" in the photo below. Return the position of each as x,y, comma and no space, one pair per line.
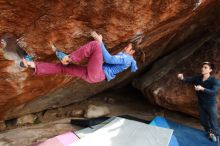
211,85
114,64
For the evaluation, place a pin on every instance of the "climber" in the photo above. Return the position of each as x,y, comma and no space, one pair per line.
206,87
101,64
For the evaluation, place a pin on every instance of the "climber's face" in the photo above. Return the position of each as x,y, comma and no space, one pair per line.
129,50
206,69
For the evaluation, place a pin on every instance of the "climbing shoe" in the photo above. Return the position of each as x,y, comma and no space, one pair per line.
28,58
212,137
60,55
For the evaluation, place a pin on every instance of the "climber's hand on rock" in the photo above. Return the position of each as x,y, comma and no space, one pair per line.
96,36
53,46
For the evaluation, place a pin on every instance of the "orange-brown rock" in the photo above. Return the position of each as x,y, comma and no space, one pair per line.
156,27
160,84
171,93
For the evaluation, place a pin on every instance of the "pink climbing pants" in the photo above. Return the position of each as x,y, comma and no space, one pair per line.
91,73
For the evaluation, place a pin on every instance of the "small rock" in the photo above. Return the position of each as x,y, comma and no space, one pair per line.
4,143
27,119
2,125
96,111
52,114
76,113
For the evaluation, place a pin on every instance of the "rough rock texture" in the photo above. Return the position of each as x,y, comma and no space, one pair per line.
160,84
156,26
2,126
171,93
27,119
29,135
94,111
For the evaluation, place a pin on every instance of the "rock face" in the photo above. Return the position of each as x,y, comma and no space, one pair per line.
27,119
2,126
160,84
30,135
171,93
155,27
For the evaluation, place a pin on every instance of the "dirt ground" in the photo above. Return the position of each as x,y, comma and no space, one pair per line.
124,101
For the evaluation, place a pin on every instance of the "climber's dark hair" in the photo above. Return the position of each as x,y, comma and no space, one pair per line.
211,65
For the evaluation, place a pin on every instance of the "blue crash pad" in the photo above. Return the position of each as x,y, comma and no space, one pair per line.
183,135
